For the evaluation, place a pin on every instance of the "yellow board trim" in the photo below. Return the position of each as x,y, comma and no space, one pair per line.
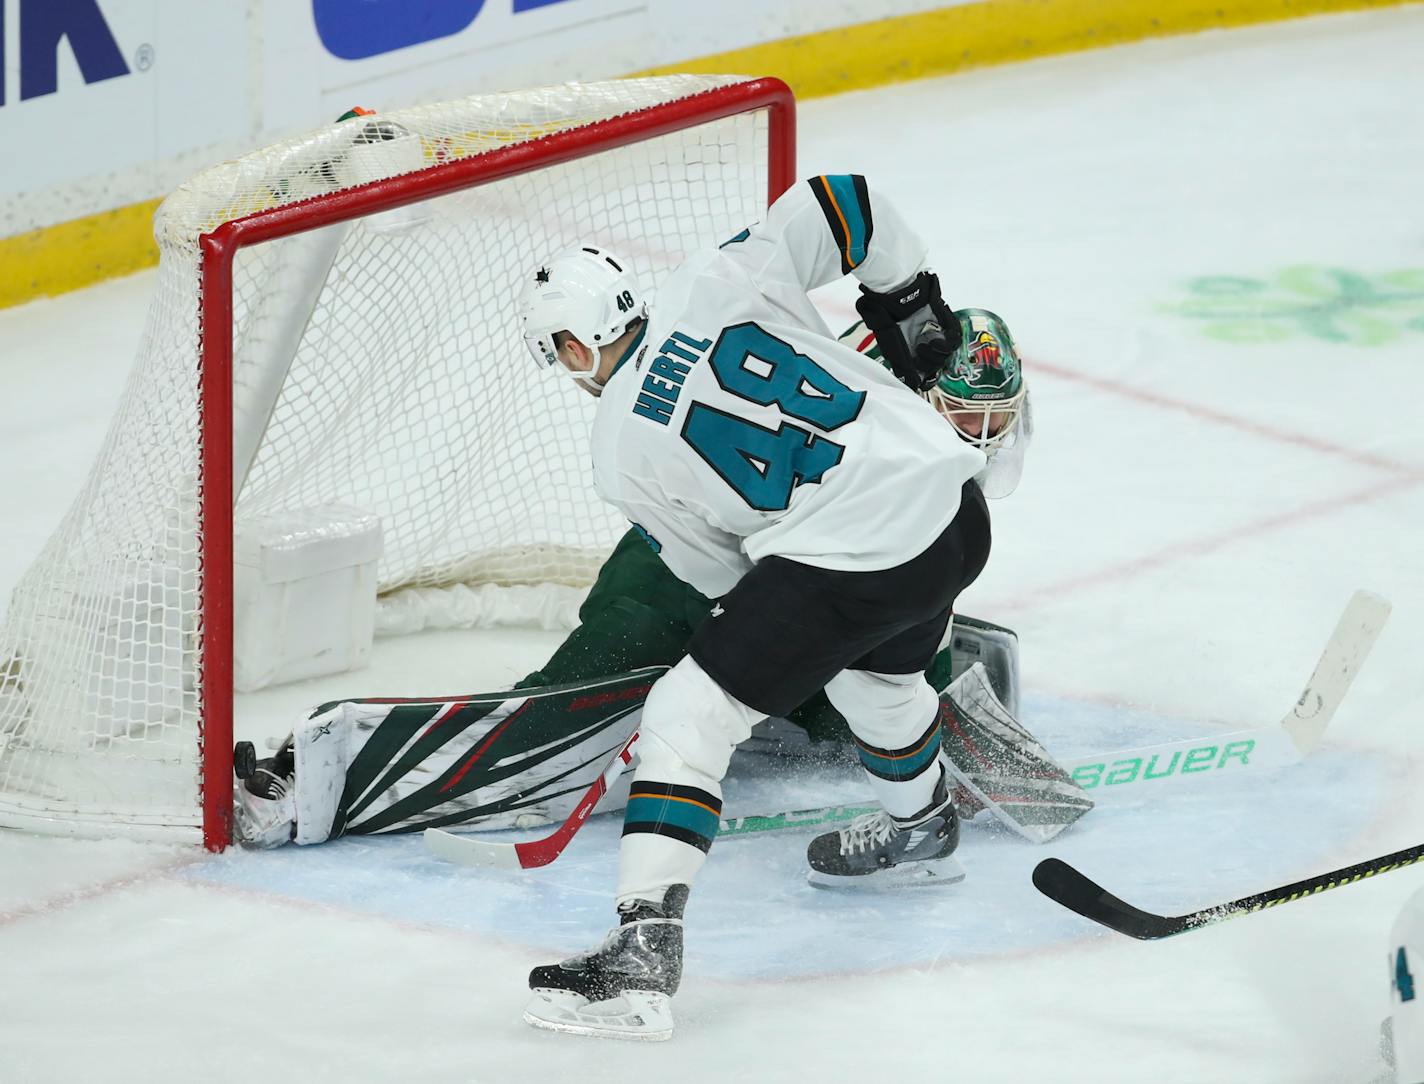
56,259
955,39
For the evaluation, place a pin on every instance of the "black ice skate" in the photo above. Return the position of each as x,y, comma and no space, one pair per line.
621,989
878,851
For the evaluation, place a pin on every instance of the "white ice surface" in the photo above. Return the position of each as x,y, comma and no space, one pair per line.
1194,515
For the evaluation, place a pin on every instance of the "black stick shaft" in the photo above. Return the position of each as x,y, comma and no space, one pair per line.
1312,885
1064,885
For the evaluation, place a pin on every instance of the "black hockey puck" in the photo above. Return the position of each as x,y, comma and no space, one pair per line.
244,759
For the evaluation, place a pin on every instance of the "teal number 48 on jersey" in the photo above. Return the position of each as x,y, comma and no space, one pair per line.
764,465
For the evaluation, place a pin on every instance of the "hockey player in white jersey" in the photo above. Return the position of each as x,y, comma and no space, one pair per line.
826,505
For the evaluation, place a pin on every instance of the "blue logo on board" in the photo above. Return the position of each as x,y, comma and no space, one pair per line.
357,29
44,24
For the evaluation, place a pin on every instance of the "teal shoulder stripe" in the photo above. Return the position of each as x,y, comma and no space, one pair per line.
854,201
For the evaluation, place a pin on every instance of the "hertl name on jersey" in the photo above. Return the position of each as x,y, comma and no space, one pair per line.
666,375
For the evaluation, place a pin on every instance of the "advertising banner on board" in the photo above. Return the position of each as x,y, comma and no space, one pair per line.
105,103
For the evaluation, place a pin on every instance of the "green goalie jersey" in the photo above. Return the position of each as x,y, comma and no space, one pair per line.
639,614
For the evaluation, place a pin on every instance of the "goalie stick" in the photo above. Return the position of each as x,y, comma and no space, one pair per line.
1294,739
1289,742
1063,884
1298,734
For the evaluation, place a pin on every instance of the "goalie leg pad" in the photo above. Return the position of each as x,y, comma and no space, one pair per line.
323,748
486,760
972,640
1003,766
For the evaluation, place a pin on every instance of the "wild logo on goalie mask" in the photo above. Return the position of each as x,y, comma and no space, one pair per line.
666,373
1204,758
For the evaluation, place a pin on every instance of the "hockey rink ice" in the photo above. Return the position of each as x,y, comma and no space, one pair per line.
1211,252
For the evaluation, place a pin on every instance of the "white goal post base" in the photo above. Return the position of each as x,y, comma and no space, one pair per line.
333,324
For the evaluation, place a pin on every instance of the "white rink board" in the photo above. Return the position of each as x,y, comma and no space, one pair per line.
188,84
1195,512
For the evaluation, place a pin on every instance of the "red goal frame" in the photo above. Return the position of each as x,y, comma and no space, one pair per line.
218,251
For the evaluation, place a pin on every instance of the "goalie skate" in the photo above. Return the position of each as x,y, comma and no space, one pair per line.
635,1014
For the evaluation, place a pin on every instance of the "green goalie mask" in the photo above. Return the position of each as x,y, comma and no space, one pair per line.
981,391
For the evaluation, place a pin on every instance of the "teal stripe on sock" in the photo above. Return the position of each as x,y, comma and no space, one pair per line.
900,767
680,814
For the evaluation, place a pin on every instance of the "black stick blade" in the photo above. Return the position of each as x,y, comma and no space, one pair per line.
1063,884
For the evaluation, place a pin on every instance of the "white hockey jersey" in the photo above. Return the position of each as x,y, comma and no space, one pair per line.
738,427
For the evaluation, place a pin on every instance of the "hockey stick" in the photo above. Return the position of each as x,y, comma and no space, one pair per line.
1242,749
465,851
1299,732
1063,884
1289,742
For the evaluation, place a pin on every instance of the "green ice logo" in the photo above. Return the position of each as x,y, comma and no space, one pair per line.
1326,303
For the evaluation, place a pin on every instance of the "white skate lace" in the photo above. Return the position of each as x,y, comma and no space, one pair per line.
866,831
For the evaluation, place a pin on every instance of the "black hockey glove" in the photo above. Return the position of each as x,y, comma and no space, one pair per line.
916,331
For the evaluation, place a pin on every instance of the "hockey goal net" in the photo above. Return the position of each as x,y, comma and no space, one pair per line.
333,323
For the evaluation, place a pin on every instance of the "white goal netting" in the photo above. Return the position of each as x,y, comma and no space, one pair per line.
376,363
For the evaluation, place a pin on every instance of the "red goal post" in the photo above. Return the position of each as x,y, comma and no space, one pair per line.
203,656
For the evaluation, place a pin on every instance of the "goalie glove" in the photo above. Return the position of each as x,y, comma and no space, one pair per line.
916,331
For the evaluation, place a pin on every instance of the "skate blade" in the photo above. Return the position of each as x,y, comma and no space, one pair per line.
638,1015
940,872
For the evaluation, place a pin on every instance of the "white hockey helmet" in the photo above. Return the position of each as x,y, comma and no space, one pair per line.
587,292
